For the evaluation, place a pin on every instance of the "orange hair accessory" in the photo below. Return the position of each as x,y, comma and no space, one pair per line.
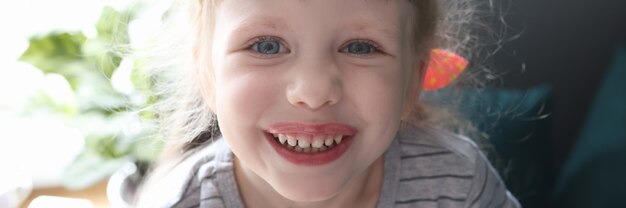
443,68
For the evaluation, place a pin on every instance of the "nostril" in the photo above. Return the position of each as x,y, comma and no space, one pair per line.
314,87
312,98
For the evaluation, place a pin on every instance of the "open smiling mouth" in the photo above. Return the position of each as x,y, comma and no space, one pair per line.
310,144
309,150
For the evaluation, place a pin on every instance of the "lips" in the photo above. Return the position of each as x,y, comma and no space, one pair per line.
305,144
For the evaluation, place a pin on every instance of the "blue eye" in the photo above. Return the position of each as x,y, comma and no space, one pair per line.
360,47
268,46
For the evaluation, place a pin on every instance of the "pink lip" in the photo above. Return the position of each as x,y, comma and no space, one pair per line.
310,159
311,129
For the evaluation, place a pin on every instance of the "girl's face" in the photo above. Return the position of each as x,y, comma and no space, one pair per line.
328,77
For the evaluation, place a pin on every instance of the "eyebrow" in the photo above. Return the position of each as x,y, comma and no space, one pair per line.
250,23
359,25
365,25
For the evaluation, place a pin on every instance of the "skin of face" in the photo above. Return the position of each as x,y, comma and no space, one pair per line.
314,78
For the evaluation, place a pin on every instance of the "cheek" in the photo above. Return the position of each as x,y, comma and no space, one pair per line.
242,97
242,90
378,100
377,95
241,102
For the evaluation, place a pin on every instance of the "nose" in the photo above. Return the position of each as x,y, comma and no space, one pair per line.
314,86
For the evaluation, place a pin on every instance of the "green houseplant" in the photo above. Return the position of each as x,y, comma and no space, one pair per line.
108,97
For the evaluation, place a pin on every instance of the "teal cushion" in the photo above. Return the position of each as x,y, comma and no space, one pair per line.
517,123
595,173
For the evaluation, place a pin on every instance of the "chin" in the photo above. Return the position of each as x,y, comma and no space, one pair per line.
298,190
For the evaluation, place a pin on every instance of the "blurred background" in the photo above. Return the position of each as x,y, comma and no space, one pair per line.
70,105
577,48
71,117
567,44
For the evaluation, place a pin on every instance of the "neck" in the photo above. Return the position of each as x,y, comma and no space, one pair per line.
362,190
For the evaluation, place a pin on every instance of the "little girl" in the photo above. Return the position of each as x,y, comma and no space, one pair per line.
311,103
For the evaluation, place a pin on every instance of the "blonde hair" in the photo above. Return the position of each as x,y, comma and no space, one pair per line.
177,65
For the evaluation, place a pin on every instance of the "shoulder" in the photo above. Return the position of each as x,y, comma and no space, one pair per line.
449,170
438,154
191,182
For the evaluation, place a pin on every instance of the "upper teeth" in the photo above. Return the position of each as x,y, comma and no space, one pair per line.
306,141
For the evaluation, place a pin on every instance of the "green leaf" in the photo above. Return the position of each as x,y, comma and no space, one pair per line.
100,53
108,135
141,79
112,30
95,93
54,52
113,25
93,105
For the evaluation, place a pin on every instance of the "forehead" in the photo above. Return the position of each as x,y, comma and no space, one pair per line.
386,16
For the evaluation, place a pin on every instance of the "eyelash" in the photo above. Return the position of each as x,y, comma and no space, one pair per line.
260,39
376,48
